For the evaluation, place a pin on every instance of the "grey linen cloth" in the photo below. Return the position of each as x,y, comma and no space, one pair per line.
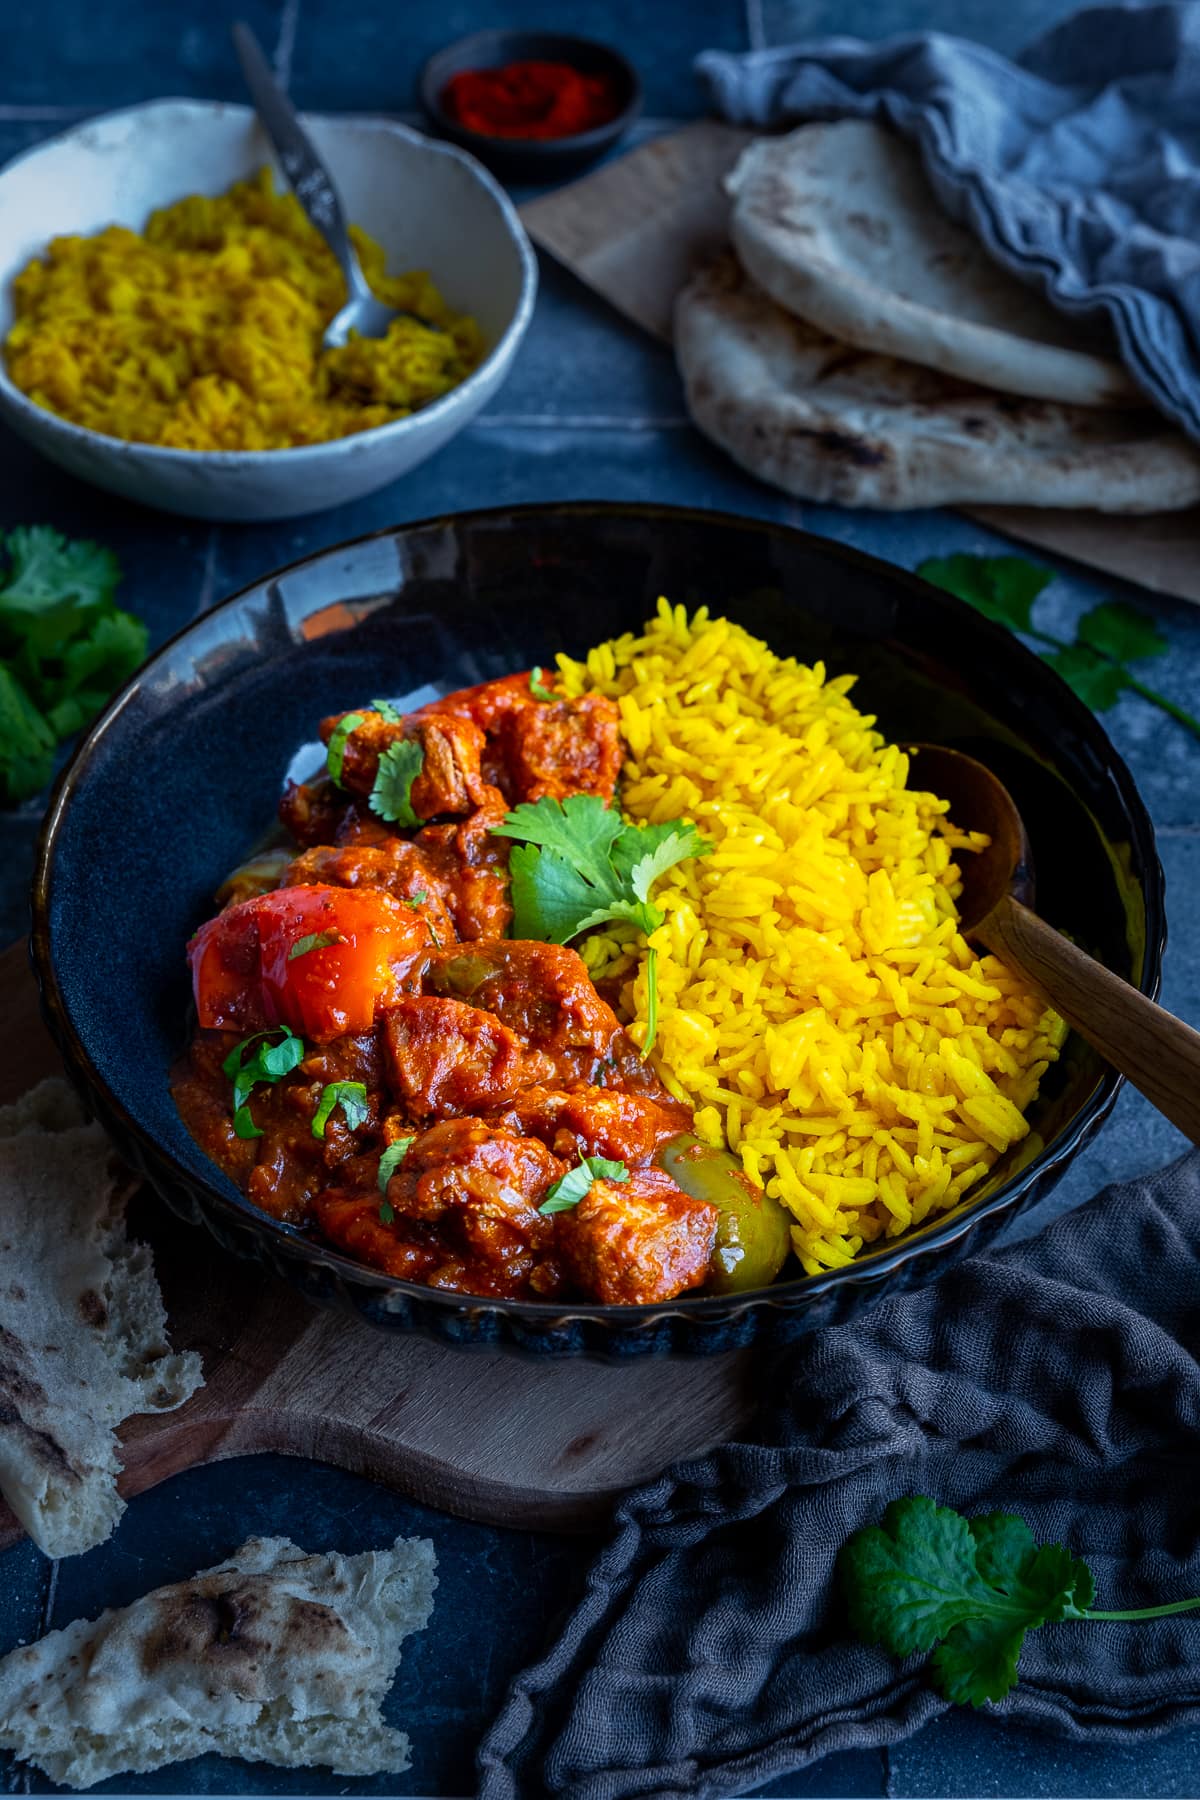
1057,1379
1077,165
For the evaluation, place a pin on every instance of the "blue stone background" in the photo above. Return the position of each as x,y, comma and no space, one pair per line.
593,410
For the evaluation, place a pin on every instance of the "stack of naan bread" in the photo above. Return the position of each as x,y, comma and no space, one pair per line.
857,346
275,1655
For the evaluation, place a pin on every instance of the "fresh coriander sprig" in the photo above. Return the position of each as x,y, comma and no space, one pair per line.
351,1096
576,1184
968,1589
536,685
64,648
268,1064
580,865
1095,663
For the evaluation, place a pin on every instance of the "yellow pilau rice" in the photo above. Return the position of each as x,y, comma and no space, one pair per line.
204,332
818,1004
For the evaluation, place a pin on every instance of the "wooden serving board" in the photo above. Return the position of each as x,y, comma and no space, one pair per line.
487,1435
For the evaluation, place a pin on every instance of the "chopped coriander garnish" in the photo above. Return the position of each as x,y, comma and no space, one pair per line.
389,1162
414,903
335,753
315,940
386,711
536,688
351,1096
399,767
269,1064
576,1184
391,1159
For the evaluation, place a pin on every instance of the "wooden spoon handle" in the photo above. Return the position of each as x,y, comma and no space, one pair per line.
1158,1052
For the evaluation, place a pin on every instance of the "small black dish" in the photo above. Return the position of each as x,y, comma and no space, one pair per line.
531,159
183,771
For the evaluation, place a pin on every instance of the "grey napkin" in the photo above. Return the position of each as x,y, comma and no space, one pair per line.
1057,1379
1077,166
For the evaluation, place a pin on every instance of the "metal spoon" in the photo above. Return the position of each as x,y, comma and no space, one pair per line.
1155,1050
312,185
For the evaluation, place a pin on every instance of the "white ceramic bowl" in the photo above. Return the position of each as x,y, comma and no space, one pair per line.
430,205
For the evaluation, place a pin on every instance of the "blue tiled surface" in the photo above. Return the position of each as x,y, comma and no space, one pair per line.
592,410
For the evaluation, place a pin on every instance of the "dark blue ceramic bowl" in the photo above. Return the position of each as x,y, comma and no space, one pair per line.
183,771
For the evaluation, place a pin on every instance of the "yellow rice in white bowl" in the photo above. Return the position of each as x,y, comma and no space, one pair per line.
818,1004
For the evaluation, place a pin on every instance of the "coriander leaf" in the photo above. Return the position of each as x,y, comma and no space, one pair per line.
1043,1578
387,1212
46,568
535,685
26,742
390,1161
651,1001
351,1096
1121,631
1098,682
636,842
386,711
78,684
280,1059
582,830
315,940
549,895
927,1574
268,1063
399,767
679,847
576,1184
978,1660
911,1579
1002,588
414,904
335,751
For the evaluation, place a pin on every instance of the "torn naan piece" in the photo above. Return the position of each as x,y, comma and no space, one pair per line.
839,225
274,1656
83,1340
829,423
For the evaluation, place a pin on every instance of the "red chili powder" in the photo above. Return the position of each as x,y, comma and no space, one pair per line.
530,100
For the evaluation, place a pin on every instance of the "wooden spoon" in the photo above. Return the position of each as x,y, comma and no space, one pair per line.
1155,1050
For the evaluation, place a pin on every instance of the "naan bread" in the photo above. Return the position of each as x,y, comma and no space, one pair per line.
274,1656
83,1341
839,225
829,423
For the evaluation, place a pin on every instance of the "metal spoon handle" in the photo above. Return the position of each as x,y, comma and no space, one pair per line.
307,174
1155,1050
